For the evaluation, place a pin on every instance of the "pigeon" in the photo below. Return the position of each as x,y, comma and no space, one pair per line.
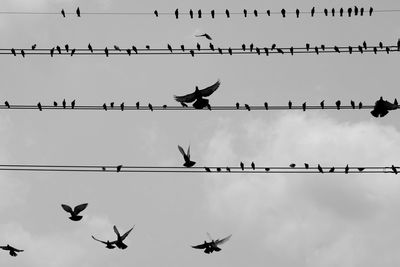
58,49
39,106
66,47
191,14
199,13
7,104
73,52
242,166
382,107
341,12
210,247
255,12
269,13
362,11
247,107
198,46
105,106
290,104
119,167
63,13
207,169
169,48
198,95
394,169
349,10
52,52
353,105
13,52
122,106
137,105
326,12
207,36
212,13
119,242
186,156
306,165
90,48
129,51
156,13
191,52
304,106
134,49
237,105
370,11
253,166
332,169
73,104
13,251
245,13
292,165
312,12
346,169
78,12
338,104
109,245
74,213
151,107
266,105
320,169
33,47
333,12
297,13
227,13
176,13
283,12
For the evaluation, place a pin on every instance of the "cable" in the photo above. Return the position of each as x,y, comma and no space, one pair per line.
244,50
205,169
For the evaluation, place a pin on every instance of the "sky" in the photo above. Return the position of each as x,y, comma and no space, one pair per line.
275,220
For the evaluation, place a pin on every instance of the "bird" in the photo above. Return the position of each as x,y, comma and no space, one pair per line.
148,47
326,12
307,46
360,105
198,46
119,167
78,12
360,169
64,103
112,105
346,169
218,169
22,53
7,104
255,12
312,12
336,49
122,106
269,13
304,106
13,251
365,45
106,51
199,13
370,11
119,242
267,169
237,105
191,52
227,13
247,107
210,247
290,104
245,13
292,165
39,106
186,156
183,48
90,48
297,13
134,49
291,50
198,95
129,51
156,13
382,107
169,48
362,11
353,105
349,10
230,51
355,10
137,105
228,169
151,107
52,52
253,166
283,12
105,106
191,13
280,50
176,13
116,47
109,245
212,13
73,104
212,47
266,51
73,52
219,50
316,50
206,35
332,169
341,12
33,47
338,104
306,165
266,105
74,213
394,169
320,169
13,52
333,12
66,47
63,13
380,45
58,49
242,166
207,169
350,49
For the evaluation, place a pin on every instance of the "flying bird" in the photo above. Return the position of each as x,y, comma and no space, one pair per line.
78,12
382,107
13,251
74,213
198,95
119,242
210,247
204,35
186,156
109,245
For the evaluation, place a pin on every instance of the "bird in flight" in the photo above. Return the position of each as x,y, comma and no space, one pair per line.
210,247
204,35
74,213
198,95
188,163
119,242
109,245
382,107
13,251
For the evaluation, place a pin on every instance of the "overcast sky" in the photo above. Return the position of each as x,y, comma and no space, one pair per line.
276,220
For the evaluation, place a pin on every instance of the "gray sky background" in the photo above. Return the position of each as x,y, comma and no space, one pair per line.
276,220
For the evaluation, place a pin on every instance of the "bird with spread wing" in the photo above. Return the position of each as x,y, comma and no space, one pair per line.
74,212
210,247
198,96
109,244
13,251
120,238
186,156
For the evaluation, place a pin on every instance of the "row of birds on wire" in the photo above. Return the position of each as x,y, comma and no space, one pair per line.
351,11
199,100
75,216
199,50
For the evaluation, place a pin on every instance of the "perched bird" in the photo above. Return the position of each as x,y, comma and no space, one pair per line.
283,12
365,45
220,50
134,49
13,251
198,95
156,13
78,12
199,14
346,169
370,11
116,47
119,242
255,12
245,13
353,105
106,51
247,107
7,104
66,47
350,49
269,13
52,52
176,13
394,169
191,52
266,105
183,48
13,52
333,12
90,48
119,167
253,166
63,13
312,12
112,105
306,165
316,50
267,169
218,169
297,13
291,49
280,50
326,12
355,10
191,13
230,51
290,104
227,13
186,156
242,166
237,105
341,12
382,107
39,106
336,49
58,49
151,107
73,104
129,51
362,11
304,106
338,104
22,53
33,47
292,165
164,106
308,47
64,103
198,46
320,169
210,247
169,48
137,105
332,169
212,13
74,213
207,169
228,169
207,36
212,47
73,52
360,105
360,169
122,106
349,10
105,106
109,245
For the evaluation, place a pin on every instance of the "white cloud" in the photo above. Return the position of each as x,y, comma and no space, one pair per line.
318,220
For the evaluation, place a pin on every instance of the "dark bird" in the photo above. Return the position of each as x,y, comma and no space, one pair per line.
370,11
33,47
66,47
63,13
304,106
306,165
228,169
147,47
74,213
7,104
237,105
365,45
186,156
106,51
198,95
230,51
204,35
360,105
346,169
151,107
90,48
353,105
134,49
355,10
280,50
283,12
116,47
191,13
78,12
212,47
109,245
292,165
266,105
227,13
297,13
73,52
207,169
52,52
291,49
120,238
341,12
169,48
336,49
212,13
122,106
255,12
247,107
22,53
323,47
360,169
64,103
242,166
105,106
394,169
199,13
332,169
387,49
320,169
350,49
362,11
176,13
316,50
360,49
191,52
290,104
382,107
322,104
267,169
164,106
39,106
58,49
245,13
349,10
251,47
112,105
13,251
326,12
338,104
198,46
119,167
375,50
156,13
218,169
183,48
380,45
137,105
210,247
253,166
13,52
333,12
129,51
269,13
73,104
308,47
312,12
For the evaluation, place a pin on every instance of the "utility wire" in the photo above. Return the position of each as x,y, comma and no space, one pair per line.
205,169
210,50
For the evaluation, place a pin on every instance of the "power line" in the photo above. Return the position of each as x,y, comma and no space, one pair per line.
211,169
210,50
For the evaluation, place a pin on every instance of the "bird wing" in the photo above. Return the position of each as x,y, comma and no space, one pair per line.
67,208
4,247
220,242
99,240
116,231
186,98
18,250
202,246
80,208
126,234
188,152
211,89
183,152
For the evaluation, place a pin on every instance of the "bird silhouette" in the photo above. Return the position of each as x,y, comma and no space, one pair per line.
332,169
74,212
360,169
7,104
191,13
341,12
338,104
212,47
129,51
207,36
237,105
230,51
382,107
63,13
218,169
346,169
122,106
245,13
33,47
198,46
176,13
336,49
116,47
90,48
292,165
12,251
362,11
73,52
134,49
207,169
58,49
253,166
394,169
269,13
169,48
186,156
109,245
255,12
39,106
307,46
370,11
290,104
151,107
219,50
106,51
198,95
316,50
365,45
156,13
183,48
212,13
64,103
191,52
266,51
350,49
304,106
320,169
210,247
353,105
333,12
22,53
297,13
312,12
13,52
380,45
137,105
119,167
306,165
199,13
267,169
266,105
355,10
283,12
112,105
242,166
247,107
360,105
66,47
228,169
52,52
73,104
227,13
326,12
349,10
78,12
105,106
120,238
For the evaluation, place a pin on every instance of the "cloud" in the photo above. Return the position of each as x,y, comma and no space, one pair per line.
317,220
